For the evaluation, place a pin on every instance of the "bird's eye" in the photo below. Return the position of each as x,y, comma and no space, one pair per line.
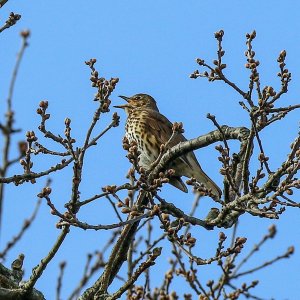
137,97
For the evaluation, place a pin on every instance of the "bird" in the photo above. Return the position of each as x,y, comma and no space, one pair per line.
150,129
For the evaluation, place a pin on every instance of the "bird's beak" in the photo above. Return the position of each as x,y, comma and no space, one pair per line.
125,98
124,105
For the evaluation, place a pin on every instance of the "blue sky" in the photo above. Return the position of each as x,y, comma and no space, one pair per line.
151,46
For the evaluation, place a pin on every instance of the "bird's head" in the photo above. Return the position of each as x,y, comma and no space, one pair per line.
138,101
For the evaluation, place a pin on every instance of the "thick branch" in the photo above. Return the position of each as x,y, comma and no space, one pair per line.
117,257
10,290
236,133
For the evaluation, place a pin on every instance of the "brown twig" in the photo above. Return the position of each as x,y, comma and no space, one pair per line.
287,254
62,266
7,129
142,268
11,21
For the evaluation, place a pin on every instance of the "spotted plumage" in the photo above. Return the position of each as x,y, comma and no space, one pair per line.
150,129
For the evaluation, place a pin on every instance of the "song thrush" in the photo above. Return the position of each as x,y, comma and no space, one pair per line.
150,129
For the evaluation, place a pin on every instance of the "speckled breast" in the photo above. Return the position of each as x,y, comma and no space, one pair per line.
137,130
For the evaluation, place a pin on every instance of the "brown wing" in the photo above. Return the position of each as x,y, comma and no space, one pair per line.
161,127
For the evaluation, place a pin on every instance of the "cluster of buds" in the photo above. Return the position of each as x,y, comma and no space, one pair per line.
131,175
218,69
116,119
43,105
190,275
68,128
284,74
30,135
178,127
265,106
200,188
104,86
166,219
26,163
155,211
171,228
195,74
142,181
166,224
91,63
219,35
110,189
13,19
133,152
158,182
267,92
162,294
169,275
210,76
251,36
224,159
191,181
136,293
218,62
69,140
242,291
126,144
126,203
46,191
222,239
164,177
262,158
251,64
200,62
233,250
127,208
238,244
285,188
67,215
187,240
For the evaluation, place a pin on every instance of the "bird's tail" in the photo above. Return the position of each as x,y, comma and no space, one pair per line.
201,177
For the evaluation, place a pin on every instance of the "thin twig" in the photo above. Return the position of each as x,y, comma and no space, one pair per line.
39,269
8,128
287,254
62,266
12,20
